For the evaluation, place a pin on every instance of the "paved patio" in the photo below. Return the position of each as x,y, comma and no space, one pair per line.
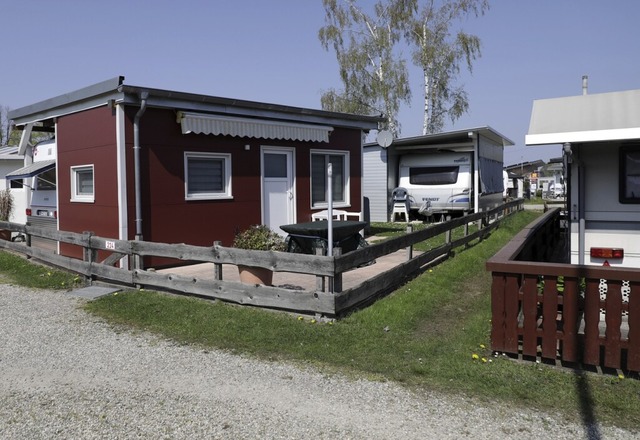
294,280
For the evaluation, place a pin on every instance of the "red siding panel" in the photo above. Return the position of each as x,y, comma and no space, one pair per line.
88,138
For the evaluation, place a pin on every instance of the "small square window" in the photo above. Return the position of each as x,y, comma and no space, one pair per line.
207,176
82,184
630,174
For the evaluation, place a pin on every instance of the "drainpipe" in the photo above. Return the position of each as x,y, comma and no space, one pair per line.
136,162
581,213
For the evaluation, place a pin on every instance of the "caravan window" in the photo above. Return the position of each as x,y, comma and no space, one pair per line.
433,175
630,174
46,180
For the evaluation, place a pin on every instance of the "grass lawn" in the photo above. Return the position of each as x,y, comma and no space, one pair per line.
431,334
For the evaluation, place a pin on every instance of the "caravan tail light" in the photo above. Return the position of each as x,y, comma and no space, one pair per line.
607,252
29,211
55,214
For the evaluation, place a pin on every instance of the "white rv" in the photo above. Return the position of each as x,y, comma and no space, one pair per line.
39,177
600,138
438,183
444,174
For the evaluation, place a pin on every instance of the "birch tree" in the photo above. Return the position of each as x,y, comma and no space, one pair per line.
5,125
374,76
440,52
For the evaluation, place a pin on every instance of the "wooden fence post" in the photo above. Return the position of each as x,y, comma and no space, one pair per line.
320,280
336,280
217,267
410,248
466,233
89,254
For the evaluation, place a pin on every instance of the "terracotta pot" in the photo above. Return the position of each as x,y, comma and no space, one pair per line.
255,275
5,234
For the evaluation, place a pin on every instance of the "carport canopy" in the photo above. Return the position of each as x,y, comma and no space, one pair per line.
31,170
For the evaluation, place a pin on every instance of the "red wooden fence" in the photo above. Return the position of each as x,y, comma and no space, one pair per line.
577,314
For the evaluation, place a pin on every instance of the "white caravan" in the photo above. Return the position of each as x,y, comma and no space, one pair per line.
600,138
39,177
444,174
438,183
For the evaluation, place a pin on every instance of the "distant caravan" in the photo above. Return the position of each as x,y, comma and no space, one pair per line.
440,184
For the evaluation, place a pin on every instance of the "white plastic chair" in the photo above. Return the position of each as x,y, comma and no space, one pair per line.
338,214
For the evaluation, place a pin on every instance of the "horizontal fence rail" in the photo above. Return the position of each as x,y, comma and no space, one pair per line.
119,263
577,314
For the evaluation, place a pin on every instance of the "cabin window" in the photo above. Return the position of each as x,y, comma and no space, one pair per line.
340,176
82,184
630,174
433,175
207,176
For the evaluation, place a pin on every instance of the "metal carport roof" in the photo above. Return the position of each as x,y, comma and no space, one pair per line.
31,170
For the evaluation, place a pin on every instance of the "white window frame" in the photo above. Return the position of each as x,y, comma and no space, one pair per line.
76,196
347,178
226,193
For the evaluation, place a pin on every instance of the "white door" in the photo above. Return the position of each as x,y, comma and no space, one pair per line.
278,198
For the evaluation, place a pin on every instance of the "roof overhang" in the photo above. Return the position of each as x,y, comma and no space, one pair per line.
586,118
31,170
115,92
253,128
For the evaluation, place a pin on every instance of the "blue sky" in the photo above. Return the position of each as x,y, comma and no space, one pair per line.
268,50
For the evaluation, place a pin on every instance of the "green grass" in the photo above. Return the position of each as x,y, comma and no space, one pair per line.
18,270
424,335
392,230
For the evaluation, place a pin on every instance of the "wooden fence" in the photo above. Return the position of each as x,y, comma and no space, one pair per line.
327,299
562,312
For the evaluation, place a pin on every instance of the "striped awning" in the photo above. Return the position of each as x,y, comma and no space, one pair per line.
252,128
31,170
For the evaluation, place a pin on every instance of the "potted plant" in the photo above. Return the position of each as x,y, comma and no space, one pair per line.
258,238
6,208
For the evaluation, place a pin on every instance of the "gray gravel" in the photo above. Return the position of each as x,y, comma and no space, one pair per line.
69,375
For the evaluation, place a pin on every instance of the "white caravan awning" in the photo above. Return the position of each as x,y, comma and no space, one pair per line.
31,170
254,128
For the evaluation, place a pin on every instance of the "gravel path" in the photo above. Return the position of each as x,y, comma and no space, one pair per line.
68,375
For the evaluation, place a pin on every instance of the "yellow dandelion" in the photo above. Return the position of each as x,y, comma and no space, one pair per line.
620,376
484,360
482,346
475,357
313,321
300,318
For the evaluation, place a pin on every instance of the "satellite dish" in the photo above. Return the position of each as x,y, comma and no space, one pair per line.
384,138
